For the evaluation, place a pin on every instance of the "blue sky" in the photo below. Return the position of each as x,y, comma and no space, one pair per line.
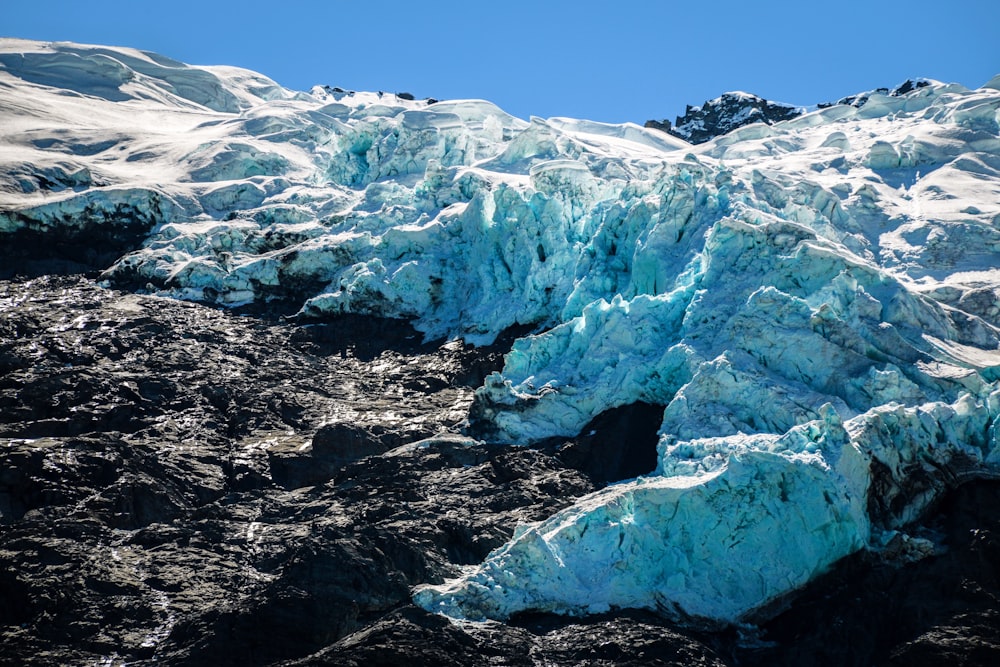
610,61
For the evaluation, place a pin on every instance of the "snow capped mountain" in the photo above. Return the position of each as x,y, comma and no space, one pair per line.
859,99
737,109
813,300
724,114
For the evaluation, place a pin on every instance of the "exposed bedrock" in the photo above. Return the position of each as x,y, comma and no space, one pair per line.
199,505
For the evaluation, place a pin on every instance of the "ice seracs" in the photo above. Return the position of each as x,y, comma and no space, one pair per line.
814,302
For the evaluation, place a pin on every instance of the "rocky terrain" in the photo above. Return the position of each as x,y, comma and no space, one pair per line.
185,485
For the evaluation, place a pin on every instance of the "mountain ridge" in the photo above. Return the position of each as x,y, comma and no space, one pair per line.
735,109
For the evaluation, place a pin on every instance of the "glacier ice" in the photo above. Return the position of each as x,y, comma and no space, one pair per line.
729,524
814,302
715,544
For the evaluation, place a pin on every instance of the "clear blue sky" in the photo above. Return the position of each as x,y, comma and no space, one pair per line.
613,61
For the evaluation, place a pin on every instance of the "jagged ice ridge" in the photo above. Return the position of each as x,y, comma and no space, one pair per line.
815,302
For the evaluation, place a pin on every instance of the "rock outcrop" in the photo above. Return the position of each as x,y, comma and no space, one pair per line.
724,114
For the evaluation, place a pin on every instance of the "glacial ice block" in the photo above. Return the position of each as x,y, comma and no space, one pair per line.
714,545
728,524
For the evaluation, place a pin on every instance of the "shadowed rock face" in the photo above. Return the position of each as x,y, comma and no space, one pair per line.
183,485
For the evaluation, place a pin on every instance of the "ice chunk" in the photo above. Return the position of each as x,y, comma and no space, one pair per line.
715,545
748,520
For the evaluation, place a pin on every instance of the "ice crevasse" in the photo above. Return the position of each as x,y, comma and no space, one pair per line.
814,303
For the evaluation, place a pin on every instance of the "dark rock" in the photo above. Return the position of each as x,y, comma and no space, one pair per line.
346,443
201,527
184,485
661,125
411,636
909,86
616,445
724,114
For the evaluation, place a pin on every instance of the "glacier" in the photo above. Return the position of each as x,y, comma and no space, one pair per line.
815,303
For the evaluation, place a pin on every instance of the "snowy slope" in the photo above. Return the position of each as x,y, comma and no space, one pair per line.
815,302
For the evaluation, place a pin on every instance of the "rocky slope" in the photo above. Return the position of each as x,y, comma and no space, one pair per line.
183,485
243,420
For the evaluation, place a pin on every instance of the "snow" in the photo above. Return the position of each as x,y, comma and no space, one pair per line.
816,303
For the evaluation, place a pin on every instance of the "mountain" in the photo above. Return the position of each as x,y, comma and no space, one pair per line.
724,114
737,109
324,365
